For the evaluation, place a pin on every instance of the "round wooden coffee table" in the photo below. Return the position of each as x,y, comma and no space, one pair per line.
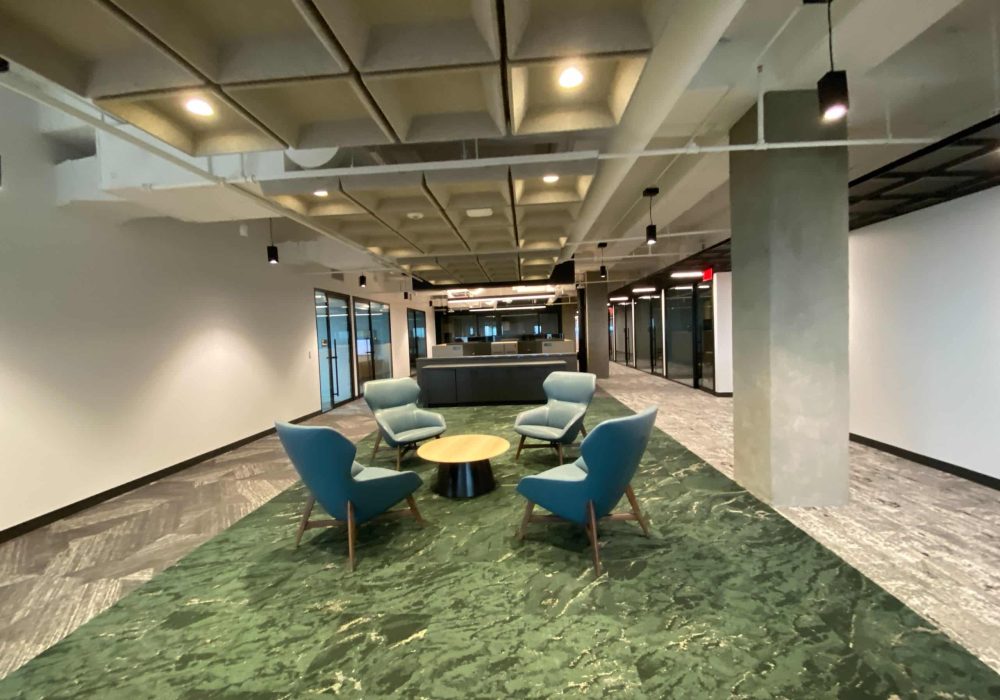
464,469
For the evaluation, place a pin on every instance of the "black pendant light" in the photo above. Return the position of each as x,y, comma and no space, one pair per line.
604,270
362,281
272,250
834,100
406,296
649,193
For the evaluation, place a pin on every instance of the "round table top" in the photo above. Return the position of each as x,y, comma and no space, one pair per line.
456,449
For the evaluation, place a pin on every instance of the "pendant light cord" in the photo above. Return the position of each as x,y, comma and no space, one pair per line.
829,29
651,209
270,229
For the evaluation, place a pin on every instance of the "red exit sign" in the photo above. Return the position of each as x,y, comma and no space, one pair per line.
706,275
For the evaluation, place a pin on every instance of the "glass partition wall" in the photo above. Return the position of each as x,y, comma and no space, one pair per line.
499,324
682,318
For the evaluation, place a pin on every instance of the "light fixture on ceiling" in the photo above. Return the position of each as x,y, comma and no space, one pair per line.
649,193
550,179
362,281
570,77
406,296
643,290
272,250
686,275
617,298
834,100
321,193
198,106
507,308
604,270
480,213
414,215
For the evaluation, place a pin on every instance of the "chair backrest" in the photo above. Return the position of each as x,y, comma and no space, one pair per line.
612,452
571,387
389,393
323,458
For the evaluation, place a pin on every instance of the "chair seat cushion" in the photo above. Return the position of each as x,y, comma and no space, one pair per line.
369,473
564,472
540,432
418,434
356,468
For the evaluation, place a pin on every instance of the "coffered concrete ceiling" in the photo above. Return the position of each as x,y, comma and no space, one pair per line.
438,136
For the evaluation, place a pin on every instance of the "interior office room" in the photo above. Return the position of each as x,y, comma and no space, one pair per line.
499,348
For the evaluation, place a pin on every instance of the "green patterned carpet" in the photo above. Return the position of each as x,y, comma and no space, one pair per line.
727,599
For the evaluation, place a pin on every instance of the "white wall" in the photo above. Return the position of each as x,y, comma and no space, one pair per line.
722,301
925,332
125,349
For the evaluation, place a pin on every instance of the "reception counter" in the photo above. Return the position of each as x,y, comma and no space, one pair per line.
484,379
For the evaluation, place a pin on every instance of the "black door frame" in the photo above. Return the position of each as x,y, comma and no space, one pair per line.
331,350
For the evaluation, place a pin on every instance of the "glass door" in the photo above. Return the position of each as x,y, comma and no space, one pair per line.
643,334
333,338
656,334
705,339
372,340
680,334
416,326
623,319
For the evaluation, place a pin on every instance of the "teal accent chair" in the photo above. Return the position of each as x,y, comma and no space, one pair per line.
560,420
400,423
350,492
588,489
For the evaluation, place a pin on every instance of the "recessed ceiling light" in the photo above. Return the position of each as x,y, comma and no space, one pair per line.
479,213
685,275
642,290
550,179
321,193
198,106
414,215
570,77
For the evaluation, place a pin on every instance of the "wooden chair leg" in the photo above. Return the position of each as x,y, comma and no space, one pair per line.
378,439
559,452
523,530
399,457
592,531
351,535
416,513
583,429
635,510
520,446
310,502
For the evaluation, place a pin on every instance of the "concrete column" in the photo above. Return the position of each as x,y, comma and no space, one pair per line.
790,332
596,330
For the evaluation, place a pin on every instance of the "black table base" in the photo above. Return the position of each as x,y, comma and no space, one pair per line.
465,479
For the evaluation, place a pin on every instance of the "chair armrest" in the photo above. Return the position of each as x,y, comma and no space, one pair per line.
429,419
533,416
384,426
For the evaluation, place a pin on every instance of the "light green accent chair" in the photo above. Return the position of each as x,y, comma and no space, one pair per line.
560,420
587,490
400,423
